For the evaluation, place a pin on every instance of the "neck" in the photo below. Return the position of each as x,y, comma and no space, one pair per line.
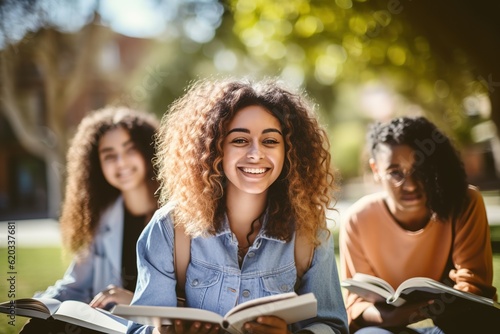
139,201
242,210
411,221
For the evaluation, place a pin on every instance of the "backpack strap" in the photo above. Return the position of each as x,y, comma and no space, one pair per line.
182,255
303,253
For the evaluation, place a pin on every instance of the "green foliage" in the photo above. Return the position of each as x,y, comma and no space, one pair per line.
324,44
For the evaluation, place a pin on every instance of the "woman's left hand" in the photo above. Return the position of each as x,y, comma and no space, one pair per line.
112,294
266,325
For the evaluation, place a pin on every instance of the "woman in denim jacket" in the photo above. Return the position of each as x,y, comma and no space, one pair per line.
244,169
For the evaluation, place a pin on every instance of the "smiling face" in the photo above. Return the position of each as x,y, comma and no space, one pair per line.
254,151
122,164
407,197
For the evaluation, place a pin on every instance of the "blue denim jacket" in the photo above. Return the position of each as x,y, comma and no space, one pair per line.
215,282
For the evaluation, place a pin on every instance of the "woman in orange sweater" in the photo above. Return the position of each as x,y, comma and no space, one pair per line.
428,221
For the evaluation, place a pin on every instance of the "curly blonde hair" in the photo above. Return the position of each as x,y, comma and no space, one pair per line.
87,192
189,158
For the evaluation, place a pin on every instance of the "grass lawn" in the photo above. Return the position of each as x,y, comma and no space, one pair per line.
38,268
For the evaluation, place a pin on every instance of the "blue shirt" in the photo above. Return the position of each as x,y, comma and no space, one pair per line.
215,282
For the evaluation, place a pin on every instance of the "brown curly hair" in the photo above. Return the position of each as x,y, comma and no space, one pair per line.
87,192
189,158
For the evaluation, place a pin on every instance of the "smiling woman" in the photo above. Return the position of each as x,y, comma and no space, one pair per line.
245,172
109,199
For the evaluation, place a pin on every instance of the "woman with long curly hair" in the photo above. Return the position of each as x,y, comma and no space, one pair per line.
428,221
244,171
109,199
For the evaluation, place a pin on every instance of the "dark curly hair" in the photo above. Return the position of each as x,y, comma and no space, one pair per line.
87,191
437,162
190,156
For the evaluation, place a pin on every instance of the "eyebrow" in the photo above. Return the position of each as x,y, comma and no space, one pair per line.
110,149
248,131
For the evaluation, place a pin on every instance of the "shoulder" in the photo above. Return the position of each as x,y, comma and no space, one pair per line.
165,212
365,206
159,230
162,218
112,215
473,194
474,202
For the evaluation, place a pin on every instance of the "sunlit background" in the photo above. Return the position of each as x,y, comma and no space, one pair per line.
359,60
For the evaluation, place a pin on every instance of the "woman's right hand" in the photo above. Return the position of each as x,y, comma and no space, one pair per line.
388,316
181,327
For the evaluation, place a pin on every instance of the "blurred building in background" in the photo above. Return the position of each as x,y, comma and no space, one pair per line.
49,81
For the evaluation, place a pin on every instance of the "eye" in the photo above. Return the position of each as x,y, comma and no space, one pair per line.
271,141
132,149
396,174
239,141
109,157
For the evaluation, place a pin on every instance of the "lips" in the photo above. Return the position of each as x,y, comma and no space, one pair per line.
255,171
411,197
124,174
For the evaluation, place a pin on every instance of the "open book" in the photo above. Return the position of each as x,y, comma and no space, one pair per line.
375,289
288,306
71,311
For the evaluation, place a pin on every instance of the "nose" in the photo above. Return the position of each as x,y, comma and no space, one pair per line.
254,152
120,159
409,182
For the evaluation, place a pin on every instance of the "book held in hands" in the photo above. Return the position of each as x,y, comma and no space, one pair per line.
375,289
288,306
71,311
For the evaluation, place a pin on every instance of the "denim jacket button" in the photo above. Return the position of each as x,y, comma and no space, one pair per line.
195,282
246,293
251,254
284,287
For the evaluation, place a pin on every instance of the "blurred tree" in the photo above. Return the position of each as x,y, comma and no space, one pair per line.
412,48
63,60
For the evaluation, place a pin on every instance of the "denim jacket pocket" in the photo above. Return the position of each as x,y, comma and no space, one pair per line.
279,282
201,284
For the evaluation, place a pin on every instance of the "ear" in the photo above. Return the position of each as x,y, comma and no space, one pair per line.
374,168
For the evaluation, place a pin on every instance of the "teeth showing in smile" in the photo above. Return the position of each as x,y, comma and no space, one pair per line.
254,170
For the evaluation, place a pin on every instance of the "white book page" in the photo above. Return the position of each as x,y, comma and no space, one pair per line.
290,310
373,280
169,313
82,314
260,301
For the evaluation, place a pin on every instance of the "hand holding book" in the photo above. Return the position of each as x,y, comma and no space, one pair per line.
289,307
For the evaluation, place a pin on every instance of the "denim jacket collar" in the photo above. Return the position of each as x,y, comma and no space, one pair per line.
261,235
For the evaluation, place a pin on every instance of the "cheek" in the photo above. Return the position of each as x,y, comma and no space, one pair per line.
279,160
107,171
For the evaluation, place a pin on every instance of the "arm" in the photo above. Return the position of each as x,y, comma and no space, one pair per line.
352,260
322,279
76,283
362,313
156,282
472,254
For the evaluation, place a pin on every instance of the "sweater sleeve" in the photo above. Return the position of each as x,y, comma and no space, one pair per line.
472,254
352,260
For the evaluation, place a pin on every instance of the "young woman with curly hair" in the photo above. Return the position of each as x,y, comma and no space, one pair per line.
109,199
428,221
244,170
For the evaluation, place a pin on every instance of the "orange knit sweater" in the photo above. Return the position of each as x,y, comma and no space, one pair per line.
372,242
